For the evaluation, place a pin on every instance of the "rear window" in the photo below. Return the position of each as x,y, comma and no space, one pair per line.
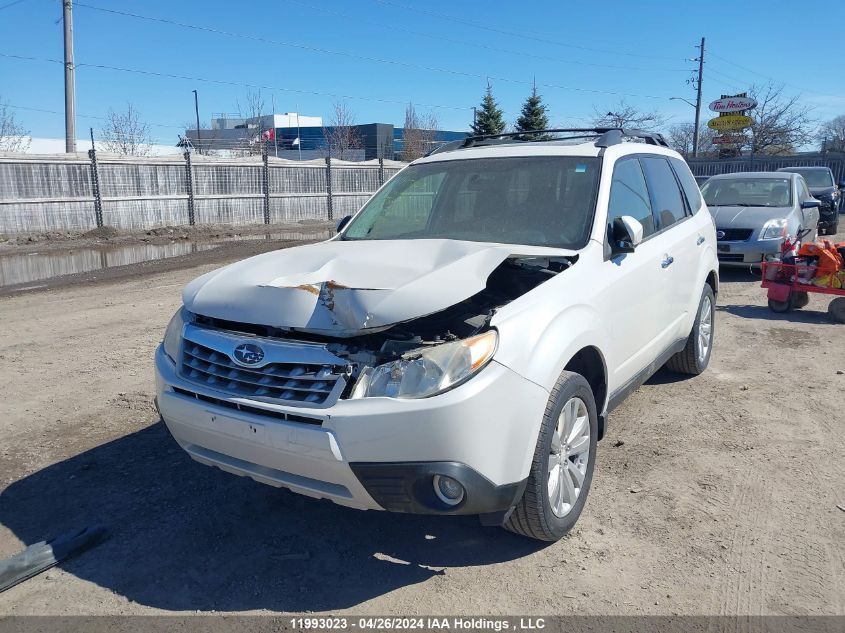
690,186
665,194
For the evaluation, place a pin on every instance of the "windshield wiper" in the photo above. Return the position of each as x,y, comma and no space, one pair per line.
738,204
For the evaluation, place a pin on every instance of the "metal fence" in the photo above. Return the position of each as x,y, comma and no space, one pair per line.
713,166
78,192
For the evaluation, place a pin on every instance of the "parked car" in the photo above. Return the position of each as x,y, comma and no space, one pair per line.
755,211
457,347
824,189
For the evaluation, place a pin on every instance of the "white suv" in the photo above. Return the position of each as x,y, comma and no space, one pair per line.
457,347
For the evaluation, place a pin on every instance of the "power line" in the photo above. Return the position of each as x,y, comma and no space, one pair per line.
770,78
733,82
11,4
443,38
329,94
381,60
87,116
235,83
501,31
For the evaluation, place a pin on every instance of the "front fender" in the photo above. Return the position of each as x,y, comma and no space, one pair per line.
538,346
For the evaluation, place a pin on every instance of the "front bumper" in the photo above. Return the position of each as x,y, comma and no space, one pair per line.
749,252
483,433
828,216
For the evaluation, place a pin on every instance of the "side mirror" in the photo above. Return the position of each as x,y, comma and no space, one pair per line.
841,184
626,233
343,222
812,203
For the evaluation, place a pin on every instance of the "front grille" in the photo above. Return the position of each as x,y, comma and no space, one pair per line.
278,415
289,382
733,235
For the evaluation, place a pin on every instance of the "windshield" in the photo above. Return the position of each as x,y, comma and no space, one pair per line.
538,201
816,177
747,192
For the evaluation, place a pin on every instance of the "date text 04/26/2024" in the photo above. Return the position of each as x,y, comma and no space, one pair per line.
374,623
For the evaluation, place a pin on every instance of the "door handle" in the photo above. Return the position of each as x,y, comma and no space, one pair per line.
700,240
667,261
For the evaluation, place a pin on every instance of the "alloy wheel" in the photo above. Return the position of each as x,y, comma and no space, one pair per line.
569,455
705,328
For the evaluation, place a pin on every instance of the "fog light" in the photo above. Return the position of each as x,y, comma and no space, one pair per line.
448,490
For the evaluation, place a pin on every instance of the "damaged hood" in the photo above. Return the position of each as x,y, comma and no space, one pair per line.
345,288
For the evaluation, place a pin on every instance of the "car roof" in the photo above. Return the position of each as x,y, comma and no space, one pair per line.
807,168
755,174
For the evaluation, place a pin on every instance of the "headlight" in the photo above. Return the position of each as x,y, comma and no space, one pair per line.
173,333
429,371
773,229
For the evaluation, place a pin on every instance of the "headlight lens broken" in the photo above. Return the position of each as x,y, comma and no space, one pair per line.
429,371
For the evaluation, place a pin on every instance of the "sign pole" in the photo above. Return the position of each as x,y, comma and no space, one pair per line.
695,133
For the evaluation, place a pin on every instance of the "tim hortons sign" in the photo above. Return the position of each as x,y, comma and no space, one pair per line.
733,104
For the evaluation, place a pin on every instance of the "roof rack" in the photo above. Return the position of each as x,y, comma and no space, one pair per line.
605,137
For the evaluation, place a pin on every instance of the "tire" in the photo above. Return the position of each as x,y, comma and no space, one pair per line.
534,515
836,309
798,300
780,306
695,356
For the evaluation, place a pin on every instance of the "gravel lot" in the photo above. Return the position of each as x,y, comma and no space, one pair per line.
712,495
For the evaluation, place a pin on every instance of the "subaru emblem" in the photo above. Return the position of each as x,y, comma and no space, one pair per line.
249,354
720,235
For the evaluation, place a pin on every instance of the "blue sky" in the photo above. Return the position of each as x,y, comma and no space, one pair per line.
377,55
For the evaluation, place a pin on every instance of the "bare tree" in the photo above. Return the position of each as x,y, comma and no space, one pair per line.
419,133
251,109
625,115
13,136
343,138
781,124
680,137
831,135
124,133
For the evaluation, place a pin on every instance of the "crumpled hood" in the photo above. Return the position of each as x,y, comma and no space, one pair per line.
344,288
746,217
821,191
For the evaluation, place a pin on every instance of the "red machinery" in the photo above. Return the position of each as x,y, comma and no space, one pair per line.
791,279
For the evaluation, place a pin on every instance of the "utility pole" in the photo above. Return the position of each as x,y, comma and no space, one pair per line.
275,141
695,133
70,98
197,110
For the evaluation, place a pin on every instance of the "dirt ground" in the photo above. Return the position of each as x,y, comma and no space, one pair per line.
712,495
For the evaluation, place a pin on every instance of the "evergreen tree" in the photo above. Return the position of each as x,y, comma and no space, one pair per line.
533,115
488,118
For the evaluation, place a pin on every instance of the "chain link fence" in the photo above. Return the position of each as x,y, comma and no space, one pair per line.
79,192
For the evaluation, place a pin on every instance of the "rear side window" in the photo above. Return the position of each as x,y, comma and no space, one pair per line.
690,187
665,195
629,195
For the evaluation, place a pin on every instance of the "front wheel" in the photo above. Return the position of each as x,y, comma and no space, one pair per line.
695,356
562,468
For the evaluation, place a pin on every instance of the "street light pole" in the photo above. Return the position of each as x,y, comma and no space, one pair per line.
197,111
695,133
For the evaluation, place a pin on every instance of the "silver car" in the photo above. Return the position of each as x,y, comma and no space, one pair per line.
755,211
